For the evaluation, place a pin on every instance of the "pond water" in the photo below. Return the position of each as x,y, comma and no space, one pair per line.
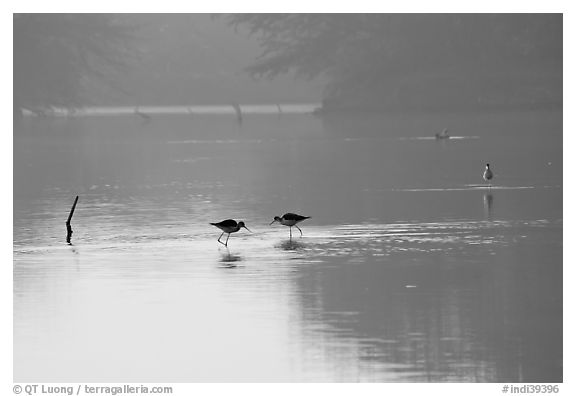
410,269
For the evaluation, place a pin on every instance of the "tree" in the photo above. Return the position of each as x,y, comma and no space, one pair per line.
386,60
57,56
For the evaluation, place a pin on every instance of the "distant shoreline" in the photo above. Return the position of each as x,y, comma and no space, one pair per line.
317,108
147,111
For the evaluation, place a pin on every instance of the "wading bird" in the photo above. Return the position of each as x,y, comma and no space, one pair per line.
290,220
443,135
145,116
488,175
229,226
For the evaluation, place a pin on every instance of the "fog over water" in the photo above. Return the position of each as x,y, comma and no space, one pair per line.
410,268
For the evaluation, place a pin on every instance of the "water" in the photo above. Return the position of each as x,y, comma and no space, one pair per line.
410,269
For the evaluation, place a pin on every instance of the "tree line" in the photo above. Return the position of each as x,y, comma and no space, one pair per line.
57,58
369,61
413,60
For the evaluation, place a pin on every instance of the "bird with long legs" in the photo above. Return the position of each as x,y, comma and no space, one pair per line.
488,175
228,227
290,220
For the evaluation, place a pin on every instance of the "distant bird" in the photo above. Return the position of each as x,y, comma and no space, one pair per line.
290,220
145,116
443,134
488,175
238,111
229,226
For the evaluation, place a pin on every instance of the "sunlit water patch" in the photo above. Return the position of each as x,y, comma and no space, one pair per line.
350,240
468,187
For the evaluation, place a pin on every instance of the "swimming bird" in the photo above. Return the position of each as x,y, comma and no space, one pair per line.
443,135
290,220
488,175
229,226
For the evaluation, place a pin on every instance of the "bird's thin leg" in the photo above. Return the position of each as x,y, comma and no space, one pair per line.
290,232
221,237
299,230
226,244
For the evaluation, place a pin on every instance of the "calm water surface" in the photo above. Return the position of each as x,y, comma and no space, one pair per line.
409,270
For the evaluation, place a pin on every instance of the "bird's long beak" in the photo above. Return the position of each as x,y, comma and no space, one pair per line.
273,221
247,228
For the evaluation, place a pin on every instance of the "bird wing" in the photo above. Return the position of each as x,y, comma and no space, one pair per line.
225,223
294,216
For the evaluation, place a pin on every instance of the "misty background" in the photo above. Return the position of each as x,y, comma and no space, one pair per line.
139,59
347,61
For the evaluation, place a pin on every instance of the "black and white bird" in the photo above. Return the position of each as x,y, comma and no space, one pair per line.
488,175
290,220
228,227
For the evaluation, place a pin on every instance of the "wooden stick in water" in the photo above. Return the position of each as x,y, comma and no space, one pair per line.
68,226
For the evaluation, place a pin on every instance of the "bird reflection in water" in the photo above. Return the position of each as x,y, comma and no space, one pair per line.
488,199
230,260
291,245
